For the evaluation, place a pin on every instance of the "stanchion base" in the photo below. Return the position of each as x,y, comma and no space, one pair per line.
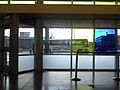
91,85
76,79
116,79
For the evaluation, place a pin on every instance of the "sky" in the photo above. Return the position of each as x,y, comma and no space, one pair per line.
83,34
60,33
31,30
104,32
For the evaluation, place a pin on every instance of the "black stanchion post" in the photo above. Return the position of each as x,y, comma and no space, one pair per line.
117,59
93,72
76,66
118,67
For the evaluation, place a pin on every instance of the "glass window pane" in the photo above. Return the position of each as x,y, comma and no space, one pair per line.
105,41
82,40
59,40
26,40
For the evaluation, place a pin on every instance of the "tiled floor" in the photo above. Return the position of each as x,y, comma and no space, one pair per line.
59,81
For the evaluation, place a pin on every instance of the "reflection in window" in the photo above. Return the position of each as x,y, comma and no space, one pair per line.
105,41
82,40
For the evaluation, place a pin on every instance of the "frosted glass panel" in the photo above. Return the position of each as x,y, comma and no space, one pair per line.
63,62
104,62
26,63
56,61
84,61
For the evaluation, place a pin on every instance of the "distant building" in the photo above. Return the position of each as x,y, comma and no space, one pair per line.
55,45
24,34
105,44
